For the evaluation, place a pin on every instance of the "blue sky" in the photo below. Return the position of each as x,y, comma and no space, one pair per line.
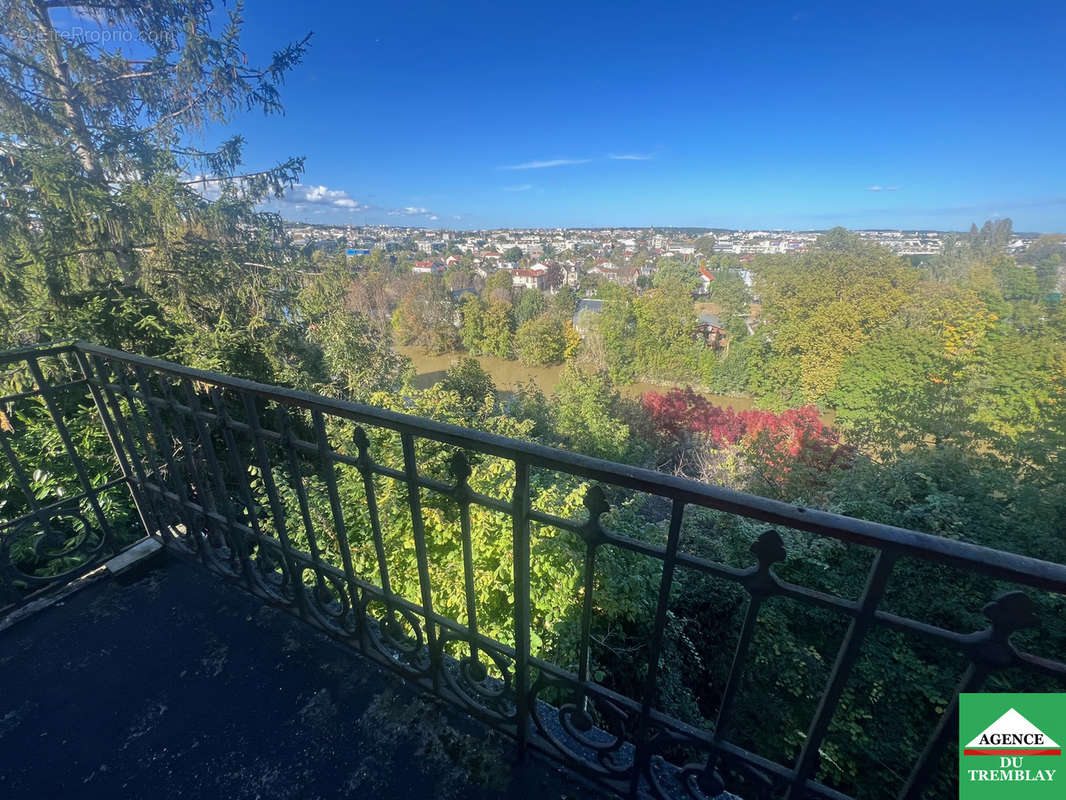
449,114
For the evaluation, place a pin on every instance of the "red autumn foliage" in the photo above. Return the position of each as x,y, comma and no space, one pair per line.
783,441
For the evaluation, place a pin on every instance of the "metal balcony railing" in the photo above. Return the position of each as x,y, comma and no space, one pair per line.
256,481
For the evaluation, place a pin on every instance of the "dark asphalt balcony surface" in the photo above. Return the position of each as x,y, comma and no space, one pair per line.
177,685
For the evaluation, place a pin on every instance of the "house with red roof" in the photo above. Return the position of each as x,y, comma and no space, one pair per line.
529,278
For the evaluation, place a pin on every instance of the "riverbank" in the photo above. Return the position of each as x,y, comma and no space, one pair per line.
429,369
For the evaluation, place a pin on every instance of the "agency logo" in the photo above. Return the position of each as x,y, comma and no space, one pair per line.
1009,746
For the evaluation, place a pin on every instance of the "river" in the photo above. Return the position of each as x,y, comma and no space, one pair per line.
429,369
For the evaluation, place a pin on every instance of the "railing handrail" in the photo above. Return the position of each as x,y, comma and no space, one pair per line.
1001,564
189,442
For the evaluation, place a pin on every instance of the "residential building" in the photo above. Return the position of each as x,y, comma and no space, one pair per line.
528,278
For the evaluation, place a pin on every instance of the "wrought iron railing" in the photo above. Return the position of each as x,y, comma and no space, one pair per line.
267,485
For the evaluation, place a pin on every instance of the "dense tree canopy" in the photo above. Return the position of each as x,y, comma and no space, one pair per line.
817,309
425,316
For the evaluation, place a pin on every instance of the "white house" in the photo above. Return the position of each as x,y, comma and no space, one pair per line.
528,278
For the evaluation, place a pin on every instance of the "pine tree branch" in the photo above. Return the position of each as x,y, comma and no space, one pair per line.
50,4
133,75
178,112
205,179
31,66
99,251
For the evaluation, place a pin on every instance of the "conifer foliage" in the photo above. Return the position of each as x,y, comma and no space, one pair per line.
112,226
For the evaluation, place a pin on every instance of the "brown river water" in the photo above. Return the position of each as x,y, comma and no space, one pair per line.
429,369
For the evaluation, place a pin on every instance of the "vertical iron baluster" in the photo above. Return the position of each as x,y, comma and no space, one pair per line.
585,647
329,475
285,429
200,484
677,513
806,763
119,439
138,425
162,438
760,582
366,469
593,536
23,481
240,471
277,510
461,494
236,537
972,680
96,363
68,444
991,649
418,528
523,621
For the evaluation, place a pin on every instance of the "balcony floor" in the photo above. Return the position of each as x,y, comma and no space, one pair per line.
177,685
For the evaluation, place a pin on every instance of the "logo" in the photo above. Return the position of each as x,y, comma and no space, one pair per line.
1009,746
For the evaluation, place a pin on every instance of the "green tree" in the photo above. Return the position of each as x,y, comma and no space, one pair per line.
705,244
541,341
564,302
512,254
426,316
670,270
617,328
498,286
528,304
356,351
472,323
731,294
106,229
499,329
817,309
1047,256
900,390
587,414
665,328
468,379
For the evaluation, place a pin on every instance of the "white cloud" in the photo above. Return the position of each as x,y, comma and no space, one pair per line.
876,188
204,186
524,187
631,156
409,211
302,195
553,162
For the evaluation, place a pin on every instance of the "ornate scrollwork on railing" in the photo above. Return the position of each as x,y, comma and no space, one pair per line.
1009,612
49,550
269,572
596,502
695,782
768,549
594,735
468,677
208,477
707,780
327,598
397,635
